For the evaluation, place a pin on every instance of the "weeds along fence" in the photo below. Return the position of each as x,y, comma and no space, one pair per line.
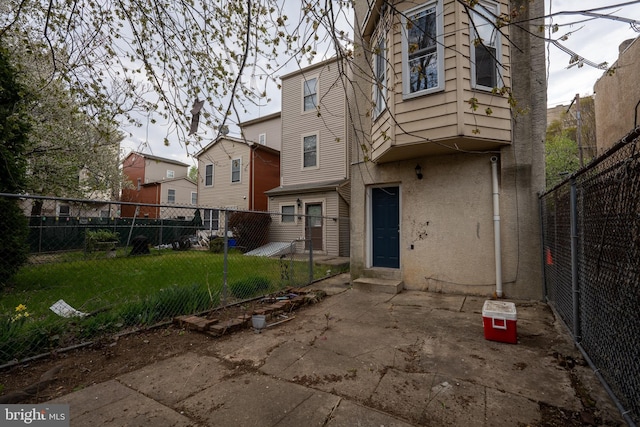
82,270
591,241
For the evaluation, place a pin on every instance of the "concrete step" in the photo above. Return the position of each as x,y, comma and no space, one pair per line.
373,284
382,273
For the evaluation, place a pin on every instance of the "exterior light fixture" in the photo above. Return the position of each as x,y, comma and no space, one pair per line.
299,203
419,171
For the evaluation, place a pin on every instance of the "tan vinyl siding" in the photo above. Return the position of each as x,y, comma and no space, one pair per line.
447,114
224,193
329,126
183,189
496,125
288,232
155,170
271,126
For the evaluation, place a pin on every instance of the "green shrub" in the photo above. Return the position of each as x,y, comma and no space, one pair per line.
21,336
216,245
13,239
249,287
94,238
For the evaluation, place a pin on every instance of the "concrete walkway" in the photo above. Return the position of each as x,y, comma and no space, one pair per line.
365,359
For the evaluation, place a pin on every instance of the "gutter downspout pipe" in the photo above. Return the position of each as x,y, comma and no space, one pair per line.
496,225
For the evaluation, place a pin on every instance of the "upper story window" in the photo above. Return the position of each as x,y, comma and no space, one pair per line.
139,184
380,77
262,139
171,195
310,97
208,175
170,174
485,45
194,198
235,170
422,50
310,151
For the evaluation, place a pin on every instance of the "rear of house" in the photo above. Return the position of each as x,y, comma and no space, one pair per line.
234,174
437,147
155,180
312,199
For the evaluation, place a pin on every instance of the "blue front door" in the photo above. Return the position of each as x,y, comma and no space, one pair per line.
385,221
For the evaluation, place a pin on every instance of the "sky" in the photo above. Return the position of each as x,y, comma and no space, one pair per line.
596,40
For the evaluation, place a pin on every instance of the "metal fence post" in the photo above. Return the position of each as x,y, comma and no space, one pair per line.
308,219
541,213
225,267
575,286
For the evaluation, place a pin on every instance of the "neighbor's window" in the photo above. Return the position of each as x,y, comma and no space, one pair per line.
422,50
64,210
170,174
288,213
310,151
171,195
194,198
211,218
208,175
262,139
139,184
235,170
310,94
485,45
380,77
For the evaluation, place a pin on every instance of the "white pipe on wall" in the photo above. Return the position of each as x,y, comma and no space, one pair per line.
496,225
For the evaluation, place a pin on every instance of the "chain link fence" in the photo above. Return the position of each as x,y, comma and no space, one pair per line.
591,237
90,271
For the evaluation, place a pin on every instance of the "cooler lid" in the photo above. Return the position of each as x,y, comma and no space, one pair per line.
499,309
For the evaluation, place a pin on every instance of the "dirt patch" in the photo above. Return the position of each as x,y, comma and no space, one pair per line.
66,371
99,362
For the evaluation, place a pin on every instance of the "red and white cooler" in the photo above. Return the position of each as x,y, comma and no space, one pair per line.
499,319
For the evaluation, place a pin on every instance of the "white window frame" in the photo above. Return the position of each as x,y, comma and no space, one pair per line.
209,221
262,139
439,50
291,215
314,94
205,174
379,81
239,160
139,183
194,197
317,136
496,44
68,209
169,190
171,174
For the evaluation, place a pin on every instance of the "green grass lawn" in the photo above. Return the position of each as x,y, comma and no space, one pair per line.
129,291
98,283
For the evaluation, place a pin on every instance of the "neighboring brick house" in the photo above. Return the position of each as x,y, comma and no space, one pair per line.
430,132
616,97
156,180
234,173
313,194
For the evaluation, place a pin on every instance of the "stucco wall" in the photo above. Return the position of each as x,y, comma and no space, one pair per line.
616,96
447,216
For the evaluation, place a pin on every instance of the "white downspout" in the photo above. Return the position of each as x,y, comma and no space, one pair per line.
496,225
